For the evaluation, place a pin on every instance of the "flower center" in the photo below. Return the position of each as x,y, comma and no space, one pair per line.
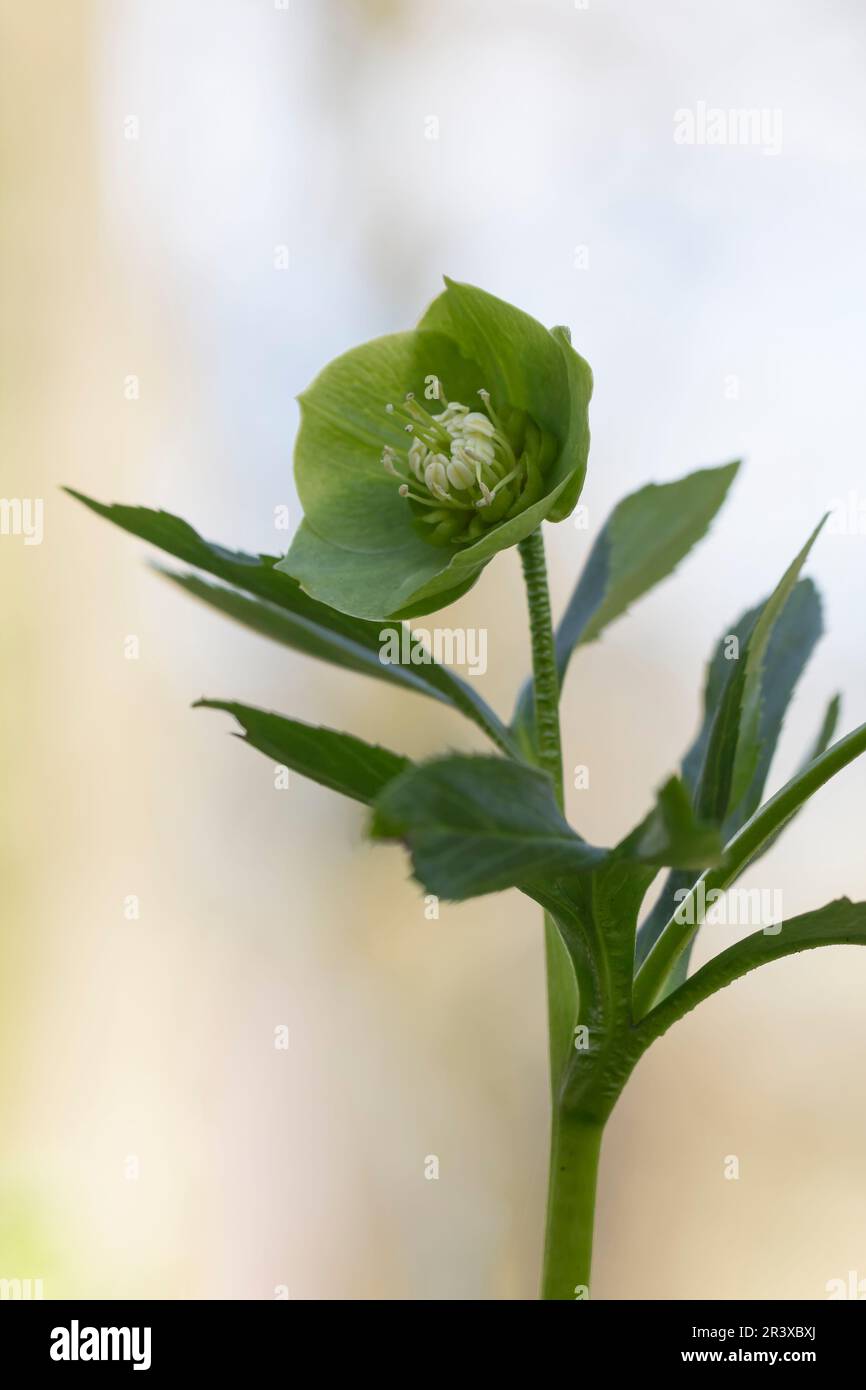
464,470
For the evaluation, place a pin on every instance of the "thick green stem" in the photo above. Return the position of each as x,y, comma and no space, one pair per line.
574,1152
575,1141
545,679
562,1002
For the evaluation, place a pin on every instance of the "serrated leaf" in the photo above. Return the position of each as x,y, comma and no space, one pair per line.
825,733
289,615
839,923
819,746
254,573
791,643
673,834
733,747
645,538
642,542
748,741
336,760
748,843
477,825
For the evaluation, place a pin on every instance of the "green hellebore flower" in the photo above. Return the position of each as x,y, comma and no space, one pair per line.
422,454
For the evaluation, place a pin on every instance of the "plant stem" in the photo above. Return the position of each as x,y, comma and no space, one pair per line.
574,1151
574,1141
561,985
545,678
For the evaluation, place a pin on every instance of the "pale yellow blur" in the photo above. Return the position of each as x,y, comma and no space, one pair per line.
153,1140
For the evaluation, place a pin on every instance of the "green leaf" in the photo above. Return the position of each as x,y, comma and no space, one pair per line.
792,641
340,761
840,923
740,851
732,759
673,834
821,743
477,825
825,733
748,742
642,542
254,573
289,615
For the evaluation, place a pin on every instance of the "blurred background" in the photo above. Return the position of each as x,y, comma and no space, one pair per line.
202,203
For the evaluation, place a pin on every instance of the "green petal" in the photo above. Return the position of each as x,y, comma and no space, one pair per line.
411,578
520,361
345,492
571,464
370,585
527,366
359,549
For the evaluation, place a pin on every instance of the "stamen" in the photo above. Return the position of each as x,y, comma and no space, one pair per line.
429,501
502,481
476,423
460,475
431,437
458,448
451,418
485,396
476,456
418,452
423,417
389,462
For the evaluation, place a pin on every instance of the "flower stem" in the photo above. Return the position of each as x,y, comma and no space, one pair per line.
544,674
575,1140
574,1151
